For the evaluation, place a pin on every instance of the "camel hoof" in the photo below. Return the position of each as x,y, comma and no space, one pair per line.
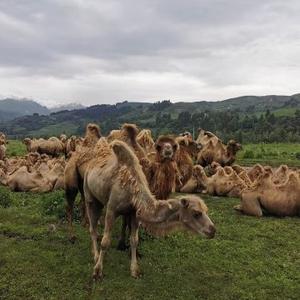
72,239
97,275
135,273
238,207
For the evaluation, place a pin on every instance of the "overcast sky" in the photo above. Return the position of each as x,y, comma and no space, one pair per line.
85,51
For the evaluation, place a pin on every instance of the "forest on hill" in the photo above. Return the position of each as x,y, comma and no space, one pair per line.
248,119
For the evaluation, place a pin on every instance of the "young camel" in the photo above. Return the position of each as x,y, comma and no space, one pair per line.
116,180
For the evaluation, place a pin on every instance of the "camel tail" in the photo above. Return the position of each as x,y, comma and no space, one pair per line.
124,154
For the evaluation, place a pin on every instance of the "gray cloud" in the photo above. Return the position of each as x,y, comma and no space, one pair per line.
108,51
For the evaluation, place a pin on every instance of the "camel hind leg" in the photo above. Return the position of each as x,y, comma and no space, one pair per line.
134,239
105,242
70,195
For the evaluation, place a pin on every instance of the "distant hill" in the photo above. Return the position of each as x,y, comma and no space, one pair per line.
230,118
12,108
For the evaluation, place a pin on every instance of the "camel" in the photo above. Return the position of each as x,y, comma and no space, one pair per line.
281,174
2,149
144,138
225,182
267,197
114,179
74,173
205,136
188,150
224,155
71,145
255,172
24,181
163,174
128,134
53,146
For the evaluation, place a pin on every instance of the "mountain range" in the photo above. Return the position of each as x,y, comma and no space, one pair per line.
19,118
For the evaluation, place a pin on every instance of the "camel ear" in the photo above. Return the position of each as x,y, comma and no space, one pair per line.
184,202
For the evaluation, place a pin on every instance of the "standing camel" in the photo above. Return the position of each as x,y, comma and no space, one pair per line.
116,180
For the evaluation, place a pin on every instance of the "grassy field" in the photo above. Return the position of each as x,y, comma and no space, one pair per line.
250,258
266,154
270,154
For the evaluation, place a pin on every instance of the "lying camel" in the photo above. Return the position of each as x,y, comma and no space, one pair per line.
267,197
24,181
115,179
163,174
225,182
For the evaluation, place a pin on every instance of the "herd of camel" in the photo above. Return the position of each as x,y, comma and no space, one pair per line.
131,175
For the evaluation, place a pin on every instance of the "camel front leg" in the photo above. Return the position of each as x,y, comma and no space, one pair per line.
105,243
134,239
251,206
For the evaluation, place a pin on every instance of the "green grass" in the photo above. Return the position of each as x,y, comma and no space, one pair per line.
15,148
270,154
250,258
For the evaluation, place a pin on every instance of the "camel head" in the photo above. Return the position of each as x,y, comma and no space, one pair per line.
93,130
233,147
194,217
27,141
166,147
63,138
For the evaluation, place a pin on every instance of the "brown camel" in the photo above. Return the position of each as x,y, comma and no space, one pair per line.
144,138
128,134
267,197
163,174
188,150
115,179
74,173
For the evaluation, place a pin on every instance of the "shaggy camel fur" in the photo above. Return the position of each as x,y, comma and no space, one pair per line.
225,182
128,134
281,174
205,136
115,179
188,150
163,174
267,197
255,172
74,173
24,181
53,146
71,145
2,149
144,138
224,155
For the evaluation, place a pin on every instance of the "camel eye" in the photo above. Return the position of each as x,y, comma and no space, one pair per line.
197,215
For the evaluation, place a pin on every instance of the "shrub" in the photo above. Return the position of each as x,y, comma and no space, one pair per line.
297,155
249,154
5,197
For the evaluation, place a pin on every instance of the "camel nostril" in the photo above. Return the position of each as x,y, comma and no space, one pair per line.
212,230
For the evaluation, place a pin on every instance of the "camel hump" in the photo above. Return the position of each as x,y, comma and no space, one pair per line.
131,130
124,154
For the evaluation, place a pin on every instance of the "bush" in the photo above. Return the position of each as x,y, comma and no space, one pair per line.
297,155
249,154
5,197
